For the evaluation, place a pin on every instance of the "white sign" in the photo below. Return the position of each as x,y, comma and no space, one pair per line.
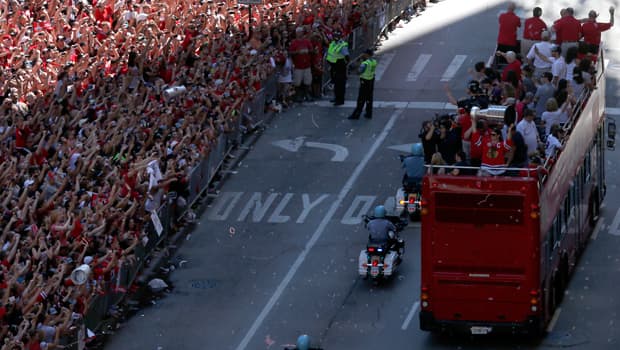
157,223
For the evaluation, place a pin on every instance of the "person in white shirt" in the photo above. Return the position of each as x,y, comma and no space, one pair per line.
571,62
553,141
543,48
558,67
527,128
554,115
558,64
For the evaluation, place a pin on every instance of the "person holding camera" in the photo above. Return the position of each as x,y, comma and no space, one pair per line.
429,135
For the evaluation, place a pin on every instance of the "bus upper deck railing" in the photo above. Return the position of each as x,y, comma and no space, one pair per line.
528,171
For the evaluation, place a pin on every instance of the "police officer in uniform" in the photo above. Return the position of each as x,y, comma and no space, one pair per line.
367,85
338,56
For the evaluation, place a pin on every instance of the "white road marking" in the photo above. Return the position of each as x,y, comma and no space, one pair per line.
340,152
319,231
384,62
491,59
418,67
599,226
454,66
410,315
614,228
554,319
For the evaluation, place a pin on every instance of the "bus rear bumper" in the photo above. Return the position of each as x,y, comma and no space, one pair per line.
532,326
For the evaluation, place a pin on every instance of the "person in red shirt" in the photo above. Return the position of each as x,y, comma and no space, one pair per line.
301,52
592,30
508,25
513,64
317,63
532,30
494,152
567,30
478,133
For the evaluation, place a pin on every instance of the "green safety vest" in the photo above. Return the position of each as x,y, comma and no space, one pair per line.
333,52
369,72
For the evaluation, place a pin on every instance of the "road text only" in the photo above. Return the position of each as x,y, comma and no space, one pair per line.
285,207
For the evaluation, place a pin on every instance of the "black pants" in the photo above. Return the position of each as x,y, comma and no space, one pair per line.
364,97
339,78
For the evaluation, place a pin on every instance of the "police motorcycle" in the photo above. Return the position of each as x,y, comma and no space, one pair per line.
380,260
409,196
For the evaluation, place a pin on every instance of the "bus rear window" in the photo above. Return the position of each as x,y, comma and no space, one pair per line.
478,209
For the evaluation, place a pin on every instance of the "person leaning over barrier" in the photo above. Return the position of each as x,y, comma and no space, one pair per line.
367,81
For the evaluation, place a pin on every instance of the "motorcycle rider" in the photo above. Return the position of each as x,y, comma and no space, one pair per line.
414,168
381,230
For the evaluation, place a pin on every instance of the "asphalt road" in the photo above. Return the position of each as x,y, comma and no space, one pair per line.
275,254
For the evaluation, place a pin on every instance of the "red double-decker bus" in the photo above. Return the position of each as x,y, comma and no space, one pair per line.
497,252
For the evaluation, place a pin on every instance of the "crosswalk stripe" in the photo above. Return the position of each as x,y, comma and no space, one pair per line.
454,66
418,67
384,62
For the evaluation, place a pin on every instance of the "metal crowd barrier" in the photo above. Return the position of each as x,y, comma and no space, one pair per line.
252,114
367,35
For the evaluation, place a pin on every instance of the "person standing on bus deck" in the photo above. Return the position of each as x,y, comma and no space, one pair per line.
513,64
494,152
544,48
367,85
509,22
532,30
528,129
591,30
338,56
567,30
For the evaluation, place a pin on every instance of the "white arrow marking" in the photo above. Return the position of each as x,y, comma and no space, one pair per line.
613,228
340,153
406,148
290,145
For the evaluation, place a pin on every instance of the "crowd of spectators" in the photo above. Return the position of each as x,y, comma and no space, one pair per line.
536,91
105,107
